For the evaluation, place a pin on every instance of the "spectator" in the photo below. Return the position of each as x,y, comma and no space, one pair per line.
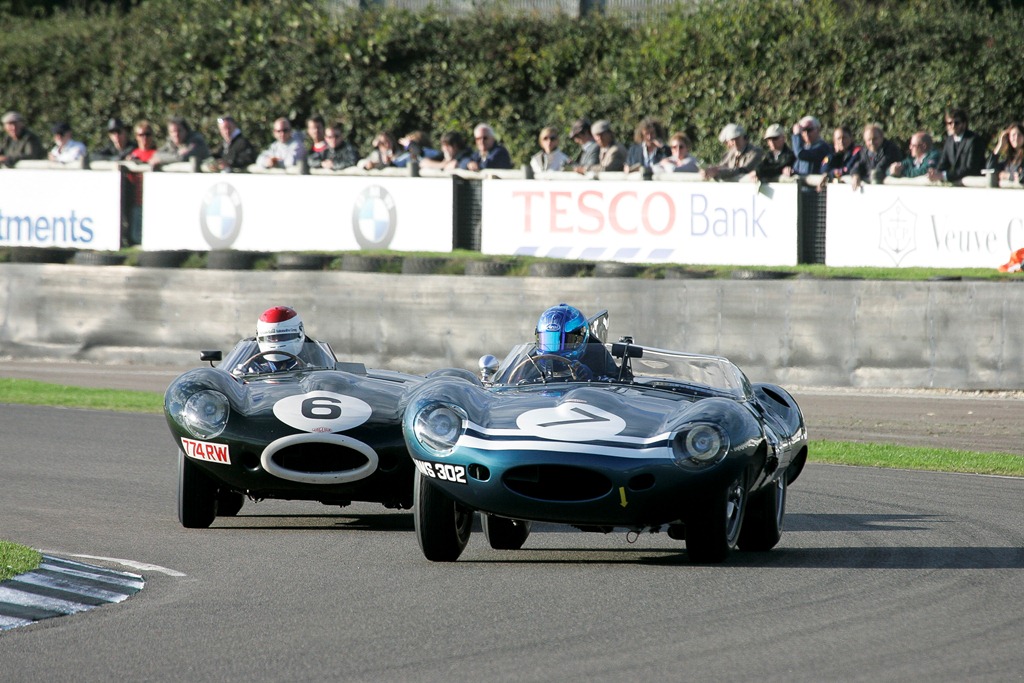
65,150
183,144
383,154
963,152
490,154
118,145
20,143
648,146
453,150
316,131
549,158
612,155
285,151
145,139
235,153
417,146
590,153
680,161
339,153
808,147
740,158
845,155
923,158
778,159
875,158
1008,155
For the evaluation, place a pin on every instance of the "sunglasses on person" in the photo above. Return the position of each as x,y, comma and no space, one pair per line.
954,122
282,130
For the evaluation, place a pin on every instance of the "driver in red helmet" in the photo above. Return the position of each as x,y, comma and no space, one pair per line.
278,329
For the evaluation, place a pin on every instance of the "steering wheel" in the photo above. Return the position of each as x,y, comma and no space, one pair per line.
571,365
263,354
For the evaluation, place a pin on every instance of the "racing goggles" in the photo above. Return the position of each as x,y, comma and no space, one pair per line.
278,338
560,341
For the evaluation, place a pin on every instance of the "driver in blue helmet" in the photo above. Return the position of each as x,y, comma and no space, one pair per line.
564,331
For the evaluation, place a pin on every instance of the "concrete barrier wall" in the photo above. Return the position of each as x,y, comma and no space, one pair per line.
800,332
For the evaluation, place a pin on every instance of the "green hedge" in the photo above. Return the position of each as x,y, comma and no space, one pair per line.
897,61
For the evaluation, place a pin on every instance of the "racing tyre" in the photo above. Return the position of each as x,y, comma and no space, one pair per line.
762,523
442,525
229,503
504,533
713,527
197,495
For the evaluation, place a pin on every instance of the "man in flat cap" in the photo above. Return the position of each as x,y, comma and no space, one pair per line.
66,150
590,153
808,147
741,157
612,155
20,143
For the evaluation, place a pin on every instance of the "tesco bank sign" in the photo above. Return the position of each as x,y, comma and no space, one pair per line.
649,222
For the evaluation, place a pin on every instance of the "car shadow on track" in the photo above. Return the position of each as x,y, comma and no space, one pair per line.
385,521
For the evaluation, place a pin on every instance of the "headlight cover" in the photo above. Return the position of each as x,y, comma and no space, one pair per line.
438,426
205,414
700,445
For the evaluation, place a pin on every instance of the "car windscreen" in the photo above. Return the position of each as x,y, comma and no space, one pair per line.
314,354
672,367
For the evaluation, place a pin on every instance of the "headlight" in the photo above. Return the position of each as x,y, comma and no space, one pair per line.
700,444
438,427
206,414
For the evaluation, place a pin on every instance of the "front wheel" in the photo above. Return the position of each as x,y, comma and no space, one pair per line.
713,527
197,495
505,534
762,524
442,525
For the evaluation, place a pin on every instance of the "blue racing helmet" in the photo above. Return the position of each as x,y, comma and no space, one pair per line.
563,330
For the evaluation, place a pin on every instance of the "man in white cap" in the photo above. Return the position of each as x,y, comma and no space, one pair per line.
778,158
612,154
810,150
740,158
20,143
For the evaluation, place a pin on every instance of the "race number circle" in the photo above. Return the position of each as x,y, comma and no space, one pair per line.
322,411
571,422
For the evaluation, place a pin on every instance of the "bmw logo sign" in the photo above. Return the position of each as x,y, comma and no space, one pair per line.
220,216
374,218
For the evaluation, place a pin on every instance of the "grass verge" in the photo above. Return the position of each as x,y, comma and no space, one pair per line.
915,458
31,392
17,559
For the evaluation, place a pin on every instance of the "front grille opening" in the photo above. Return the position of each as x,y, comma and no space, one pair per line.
641,482
318,458
557,483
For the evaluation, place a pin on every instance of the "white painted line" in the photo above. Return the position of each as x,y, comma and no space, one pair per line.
119,578
34,579
141,566
12,622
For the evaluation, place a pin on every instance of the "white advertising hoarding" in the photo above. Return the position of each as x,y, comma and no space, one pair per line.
67,209
929,227
648,222
270,212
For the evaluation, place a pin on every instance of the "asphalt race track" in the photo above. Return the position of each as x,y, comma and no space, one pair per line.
880,575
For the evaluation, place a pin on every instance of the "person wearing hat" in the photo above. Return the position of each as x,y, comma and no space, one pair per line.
810,150
741,157
590,153
778,157
118,146
20,143
65,150
612,155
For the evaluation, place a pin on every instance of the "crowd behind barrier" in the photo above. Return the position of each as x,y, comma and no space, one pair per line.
811,165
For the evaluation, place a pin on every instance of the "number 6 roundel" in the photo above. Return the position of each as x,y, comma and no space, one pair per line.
322,411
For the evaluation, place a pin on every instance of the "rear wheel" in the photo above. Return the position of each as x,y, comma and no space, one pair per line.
504,533
762,524
229,503
197,495
713,527
442,525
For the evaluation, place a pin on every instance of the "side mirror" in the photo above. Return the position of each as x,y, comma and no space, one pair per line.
488,367
211,356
